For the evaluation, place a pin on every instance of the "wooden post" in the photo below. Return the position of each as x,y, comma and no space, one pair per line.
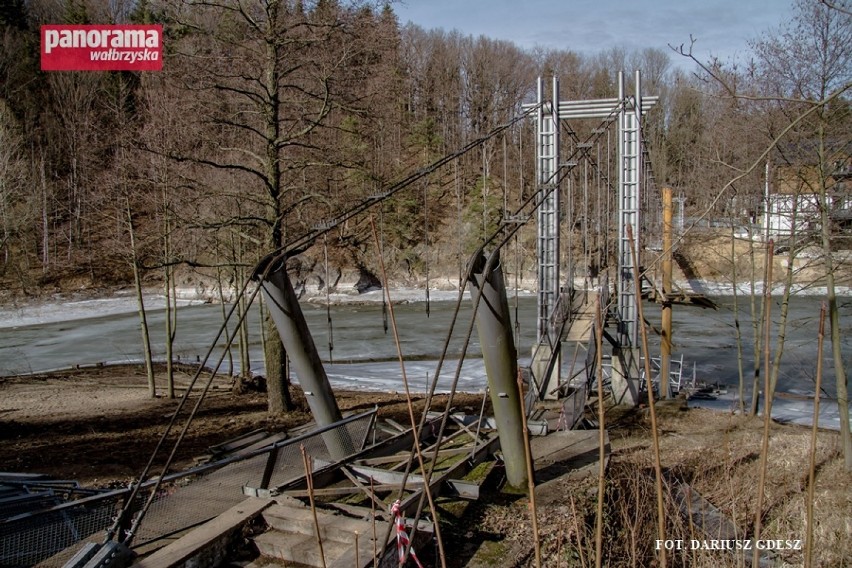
809,502
528,458
666,338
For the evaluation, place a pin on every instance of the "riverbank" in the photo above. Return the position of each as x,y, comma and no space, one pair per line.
80,305
99,426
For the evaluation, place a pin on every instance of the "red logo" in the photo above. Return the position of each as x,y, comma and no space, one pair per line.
101,48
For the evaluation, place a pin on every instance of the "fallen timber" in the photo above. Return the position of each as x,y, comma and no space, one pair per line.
353,496
292,531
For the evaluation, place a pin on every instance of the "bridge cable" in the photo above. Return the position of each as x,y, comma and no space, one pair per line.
426,239
308,238
122,516
329,322
534,201
267,263
381,258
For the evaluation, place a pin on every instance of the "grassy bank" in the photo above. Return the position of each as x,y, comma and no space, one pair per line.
710,465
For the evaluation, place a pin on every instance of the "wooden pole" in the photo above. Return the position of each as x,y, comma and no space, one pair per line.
809,502
767,402
530,475
666,338
427,490
599,322
309,479
655,436
373,517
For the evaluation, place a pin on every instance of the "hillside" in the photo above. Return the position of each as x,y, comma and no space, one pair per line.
708,253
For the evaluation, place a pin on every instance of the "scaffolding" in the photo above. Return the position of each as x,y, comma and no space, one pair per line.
547,159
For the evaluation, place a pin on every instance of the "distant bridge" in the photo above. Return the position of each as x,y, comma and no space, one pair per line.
612,169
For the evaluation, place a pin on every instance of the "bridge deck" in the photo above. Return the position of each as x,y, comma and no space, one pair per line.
580,328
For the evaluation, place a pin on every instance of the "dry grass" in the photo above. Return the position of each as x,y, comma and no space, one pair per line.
717,455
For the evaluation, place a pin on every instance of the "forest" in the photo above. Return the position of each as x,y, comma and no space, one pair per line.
268,117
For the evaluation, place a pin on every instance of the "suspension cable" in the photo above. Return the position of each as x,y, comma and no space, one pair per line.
121,518
281,253
381,257
308,238
426,240
329,323
507,232
427,491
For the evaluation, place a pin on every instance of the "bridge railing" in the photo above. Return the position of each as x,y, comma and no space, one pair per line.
50,537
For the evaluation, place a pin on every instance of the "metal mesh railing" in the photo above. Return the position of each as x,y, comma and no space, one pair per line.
28,540
50,538
186,504
573,407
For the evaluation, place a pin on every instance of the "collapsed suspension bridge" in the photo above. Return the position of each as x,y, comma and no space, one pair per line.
598,183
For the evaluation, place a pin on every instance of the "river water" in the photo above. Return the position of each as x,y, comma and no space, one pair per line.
361,354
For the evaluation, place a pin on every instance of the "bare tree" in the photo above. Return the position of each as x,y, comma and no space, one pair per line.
810,59
268,82
803,72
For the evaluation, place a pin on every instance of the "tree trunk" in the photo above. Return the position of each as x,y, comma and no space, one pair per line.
833,312
171,300
737,330
170,376
785,308
277,383
220,283
45,226
757,323
278,388
243,331
140,302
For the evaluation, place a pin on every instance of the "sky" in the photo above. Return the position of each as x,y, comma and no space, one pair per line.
721,28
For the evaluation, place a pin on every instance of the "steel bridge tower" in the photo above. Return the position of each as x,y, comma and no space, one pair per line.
547,247
629,183
626,112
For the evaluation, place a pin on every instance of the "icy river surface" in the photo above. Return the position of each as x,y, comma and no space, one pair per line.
360,353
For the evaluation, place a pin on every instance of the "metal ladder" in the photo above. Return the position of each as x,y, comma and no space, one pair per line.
630,166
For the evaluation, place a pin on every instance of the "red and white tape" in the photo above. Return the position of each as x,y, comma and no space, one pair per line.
401,536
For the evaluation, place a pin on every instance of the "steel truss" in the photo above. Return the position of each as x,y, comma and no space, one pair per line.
626,111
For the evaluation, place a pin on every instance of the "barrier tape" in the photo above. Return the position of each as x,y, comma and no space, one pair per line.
402,541
562,424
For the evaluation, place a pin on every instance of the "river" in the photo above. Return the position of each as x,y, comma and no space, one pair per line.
363,355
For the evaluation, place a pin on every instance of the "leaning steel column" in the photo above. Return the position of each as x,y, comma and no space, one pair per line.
501,365
297,340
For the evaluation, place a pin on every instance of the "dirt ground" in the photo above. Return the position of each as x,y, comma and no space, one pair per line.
717,456
100,425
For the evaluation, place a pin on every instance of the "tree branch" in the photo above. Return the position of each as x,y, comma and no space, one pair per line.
762,158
